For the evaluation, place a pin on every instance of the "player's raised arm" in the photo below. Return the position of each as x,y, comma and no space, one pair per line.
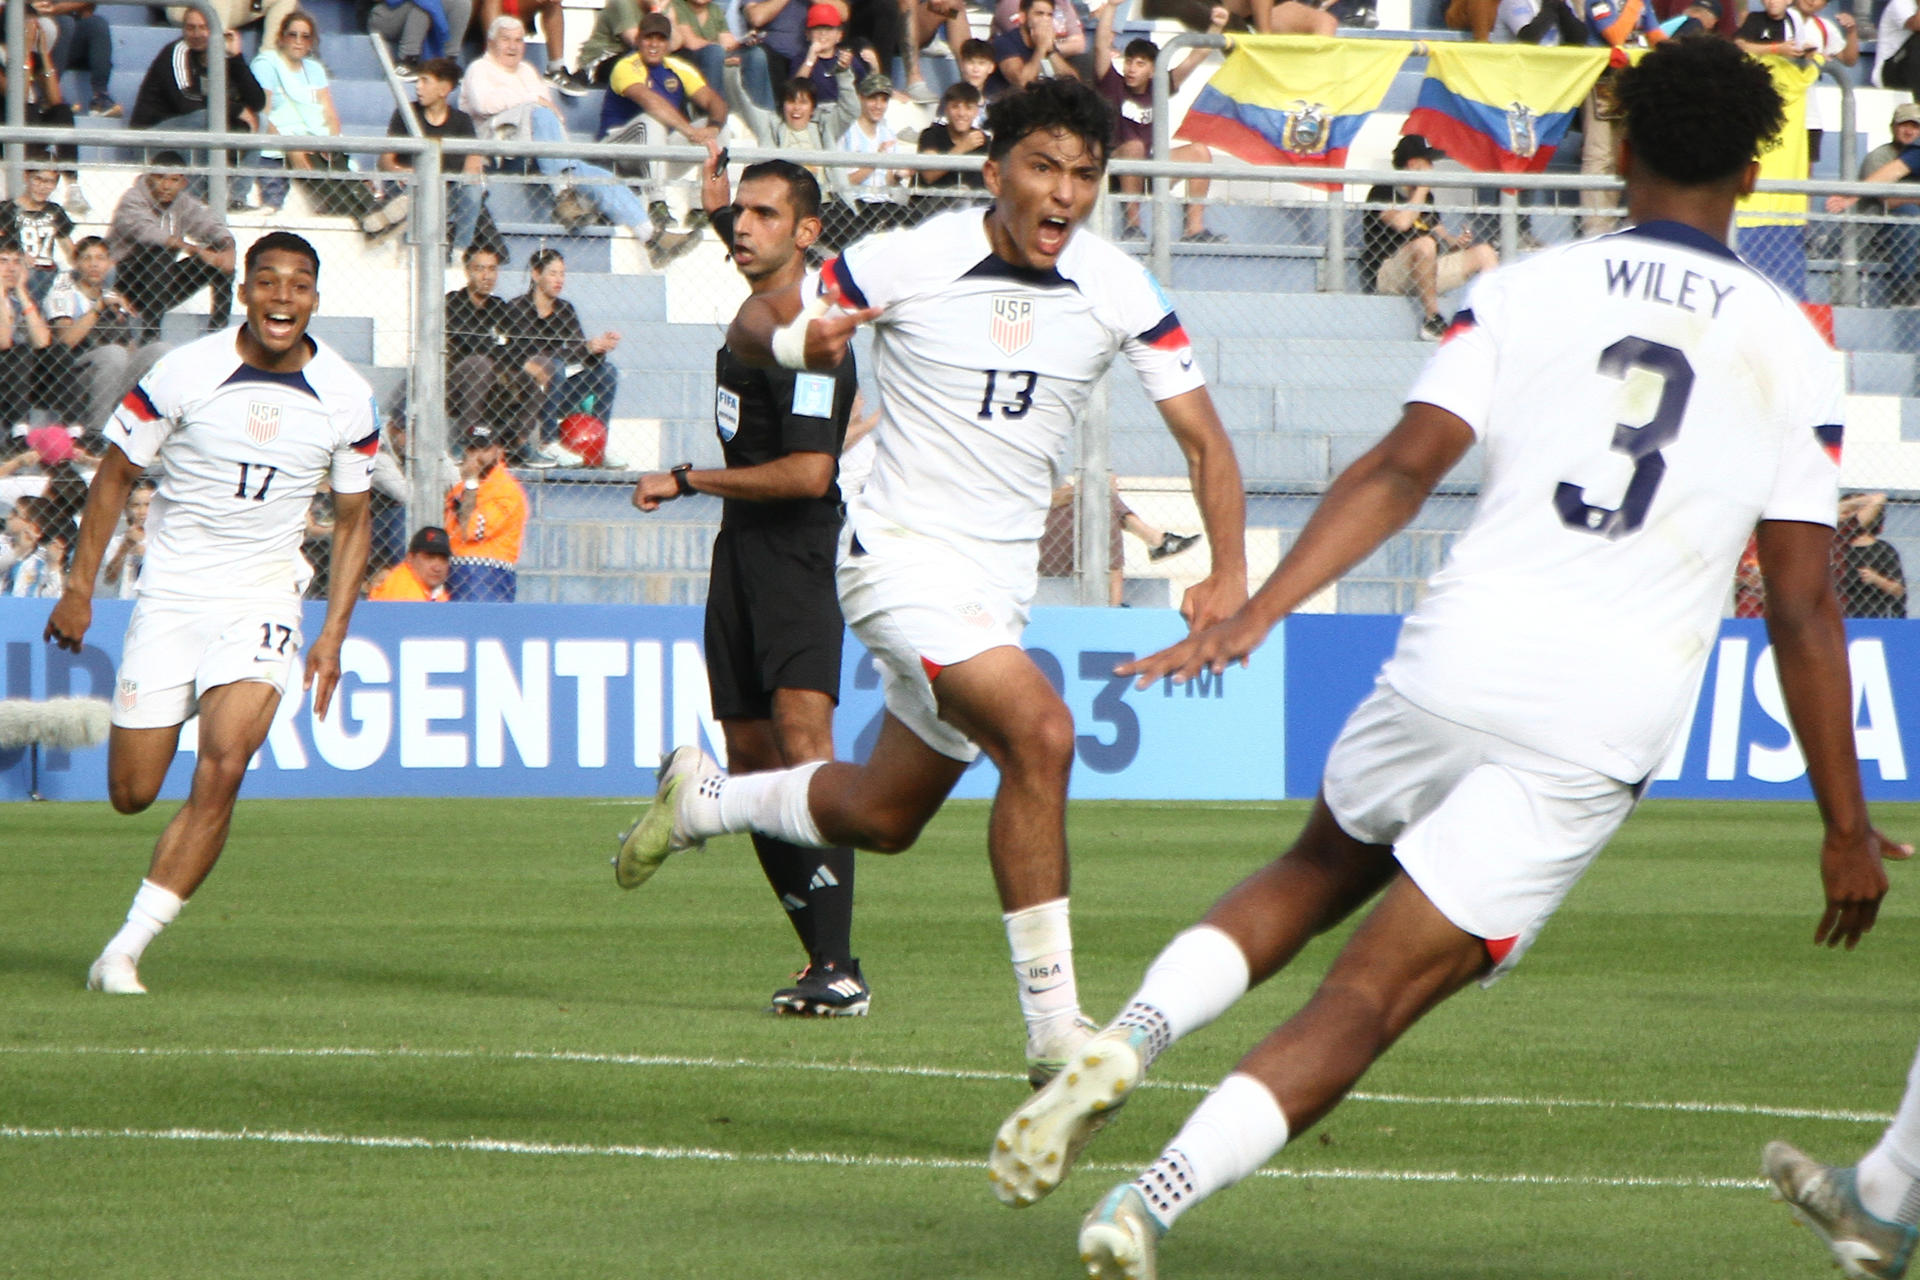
106,499
352,536
1214,473
1810,652
1369,502
782,331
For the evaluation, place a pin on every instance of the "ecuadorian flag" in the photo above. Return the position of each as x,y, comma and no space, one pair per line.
1293,99
1502,108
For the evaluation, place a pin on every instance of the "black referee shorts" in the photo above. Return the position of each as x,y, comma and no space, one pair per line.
773,617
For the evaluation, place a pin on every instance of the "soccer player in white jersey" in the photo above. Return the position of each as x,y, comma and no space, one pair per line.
1644,399
991,328
244,426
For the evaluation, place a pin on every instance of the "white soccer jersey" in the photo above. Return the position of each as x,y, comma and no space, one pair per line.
983,367
241,452
1644,399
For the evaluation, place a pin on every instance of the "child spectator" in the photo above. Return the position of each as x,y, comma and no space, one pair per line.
1128,89
438,118
977,68
956,132
23,332
94,357
41,227
867,195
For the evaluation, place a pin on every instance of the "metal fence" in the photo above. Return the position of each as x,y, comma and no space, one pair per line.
1307,356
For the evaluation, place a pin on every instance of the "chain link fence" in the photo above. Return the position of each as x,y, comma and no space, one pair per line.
574,315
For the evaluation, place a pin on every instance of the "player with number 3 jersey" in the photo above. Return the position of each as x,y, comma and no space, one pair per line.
1644,400
245,426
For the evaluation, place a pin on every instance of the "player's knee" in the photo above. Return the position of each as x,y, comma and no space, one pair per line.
1044,742
892,830
220,771
129,796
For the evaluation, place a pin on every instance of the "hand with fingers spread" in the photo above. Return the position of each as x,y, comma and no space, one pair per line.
1213,650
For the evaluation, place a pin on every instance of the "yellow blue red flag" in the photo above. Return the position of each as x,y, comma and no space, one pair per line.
1293,99
1502,108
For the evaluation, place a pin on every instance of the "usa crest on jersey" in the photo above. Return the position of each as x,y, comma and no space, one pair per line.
263,422
1012,326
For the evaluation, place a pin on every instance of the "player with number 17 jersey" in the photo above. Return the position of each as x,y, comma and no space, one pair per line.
984,367
242,451
1629,453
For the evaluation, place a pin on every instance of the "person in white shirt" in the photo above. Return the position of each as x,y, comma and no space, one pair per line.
869,197
991,328
1631,450
245,426
1898,23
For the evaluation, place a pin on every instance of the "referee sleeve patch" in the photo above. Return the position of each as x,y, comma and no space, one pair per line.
812,396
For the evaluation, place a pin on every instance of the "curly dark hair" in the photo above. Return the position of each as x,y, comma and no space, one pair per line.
1047,105
285,242
1697,110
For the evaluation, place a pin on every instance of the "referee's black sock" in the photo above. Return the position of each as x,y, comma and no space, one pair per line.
816,888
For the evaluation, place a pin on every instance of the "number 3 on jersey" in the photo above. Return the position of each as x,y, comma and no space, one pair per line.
1018,393
1642,443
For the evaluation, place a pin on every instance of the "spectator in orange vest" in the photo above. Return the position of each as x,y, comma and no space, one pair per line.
486,518
422,575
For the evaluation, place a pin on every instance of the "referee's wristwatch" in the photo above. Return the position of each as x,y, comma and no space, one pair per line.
682,486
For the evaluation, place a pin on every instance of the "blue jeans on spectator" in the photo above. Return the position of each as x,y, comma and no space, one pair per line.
755,77
589,391
463,211
85,43
617,204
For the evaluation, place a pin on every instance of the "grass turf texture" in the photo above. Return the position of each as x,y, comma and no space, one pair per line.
499,990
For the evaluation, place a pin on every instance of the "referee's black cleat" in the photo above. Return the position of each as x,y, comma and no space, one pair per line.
826,991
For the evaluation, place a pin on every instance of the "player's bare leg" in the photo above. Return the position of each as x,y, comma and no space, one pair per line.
137,764
234,720
1250,934
814,885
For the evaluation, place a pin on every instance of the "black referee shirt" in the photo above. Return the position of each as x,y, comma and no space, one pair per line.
765,414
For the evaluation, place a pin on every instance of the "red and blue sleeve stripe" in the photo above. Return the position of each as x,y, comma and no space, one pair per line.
1462,321
837,283
1168,335
140,405
1829,436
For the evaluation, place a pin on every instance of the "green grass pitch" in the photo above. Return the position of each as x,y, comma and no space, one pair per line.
430,1038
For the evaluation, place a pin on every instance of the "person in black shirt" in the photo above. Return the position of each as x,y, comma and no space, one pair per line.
1867,573
439,118
1406,250
955,132
773,633
552,368
476,328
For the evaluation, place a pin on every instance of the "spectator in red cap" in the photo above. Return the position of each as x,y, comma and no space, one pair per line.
422,576
826,58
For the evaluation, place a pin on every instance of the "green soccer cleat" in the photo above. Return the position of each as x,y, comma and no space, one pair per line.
650,841
1039,1142
1827,1199
1118,1239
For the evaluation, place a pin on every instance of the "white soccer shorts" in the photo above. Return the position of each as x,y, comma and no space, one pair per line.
920,605
176,650
1494,833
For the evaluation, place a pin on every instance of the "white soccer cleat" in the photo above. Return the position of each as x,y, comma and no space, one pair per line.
114,973
1118,1239
1827,1199
651,840
1039,1142
1044,1063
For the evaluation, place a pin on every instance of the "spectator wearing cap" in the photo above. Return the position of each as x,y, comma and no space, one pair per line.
1896,241
779,27
869,194
486,520
422,576
653,85
827,57
1031,50
1128,89
507,99
1406,250
615,34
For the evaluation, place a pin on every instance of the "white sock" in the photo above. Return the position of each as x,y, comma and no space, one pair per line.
1890,1173
1236,1130
1041,941
773,803
1193,981
153,909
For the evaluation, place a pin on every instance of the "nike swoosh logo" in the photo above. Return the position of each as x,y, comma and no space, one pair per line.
1040,991
1186,362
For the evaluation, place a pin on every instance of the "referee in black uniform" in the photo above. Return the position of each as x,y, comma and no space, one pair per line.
773,617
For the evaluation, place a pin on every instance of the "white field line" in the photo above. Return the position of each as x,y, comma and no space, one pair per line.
671,1061
505,1146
